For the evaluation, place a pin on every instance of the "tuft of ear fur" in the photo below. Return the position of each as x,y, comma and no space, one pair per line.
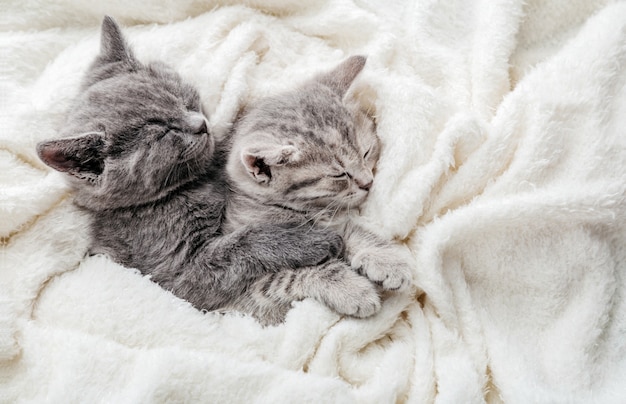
113,47
76,155
259,161
341,77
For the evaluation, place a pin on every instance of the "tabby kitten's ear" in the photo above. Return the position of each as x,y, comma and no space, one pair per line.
81,156
259,161
341,77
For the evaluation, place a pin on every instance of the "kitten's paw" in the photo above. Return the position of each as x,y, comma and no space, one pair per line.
334,242
347,292
383,268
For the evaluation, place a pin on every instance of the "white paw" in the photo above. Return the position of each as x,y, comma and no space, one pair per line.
384,268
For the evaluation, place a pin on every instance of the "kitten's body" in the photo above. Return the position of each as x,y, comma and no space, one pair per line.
138,154
307,156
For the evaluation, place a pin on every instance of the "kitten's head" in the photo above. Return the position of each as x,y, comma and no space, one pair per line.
309,148
136,132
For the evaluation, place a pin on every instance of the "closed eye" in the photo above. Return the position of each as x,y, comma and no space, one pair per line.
302,184
342,175
162,126
367,152
164,133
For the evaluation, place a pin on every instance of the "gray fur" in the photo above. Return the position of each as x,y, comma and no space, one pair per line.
137,152
308,156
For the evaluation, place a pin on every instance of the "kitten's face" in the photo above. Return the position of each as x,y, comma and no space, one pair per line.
307,149
139,131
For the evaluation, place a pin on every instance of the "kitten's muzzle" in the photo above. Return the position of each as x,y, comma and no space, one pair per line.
197,124
202,129
365,184
363,180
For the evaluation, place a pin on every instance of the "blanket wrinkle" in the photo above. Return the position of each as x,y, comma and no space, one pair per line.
502,173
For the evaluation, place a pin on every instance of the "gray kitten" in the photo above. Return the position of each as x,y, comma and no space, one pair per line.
137,152
308,156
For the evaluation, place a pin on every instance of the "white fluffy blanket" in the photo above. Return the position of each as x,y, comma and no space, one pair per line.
503,171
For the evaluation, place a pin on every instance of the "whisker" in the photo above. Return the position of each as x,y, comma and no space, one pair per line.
167,177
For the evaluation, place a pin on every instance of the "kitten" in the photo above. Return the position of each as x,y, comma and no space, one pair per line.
137,152
307,156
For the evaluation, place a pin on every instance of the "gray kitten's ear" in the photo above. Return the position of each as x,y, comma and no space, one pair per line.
259,161
81,155
342,76
115,56
113,47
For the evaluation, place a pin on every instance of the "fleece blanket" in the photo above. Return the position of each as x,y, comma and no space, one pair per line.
503,172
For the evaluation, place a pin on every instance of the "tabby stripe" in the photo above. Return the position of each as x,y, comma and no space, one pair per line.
345,132
302,184
292,278
268,283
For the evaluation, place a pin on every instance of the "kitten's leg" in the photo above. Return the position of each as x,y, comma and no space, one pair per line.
384,263
220,270
333,283
269,247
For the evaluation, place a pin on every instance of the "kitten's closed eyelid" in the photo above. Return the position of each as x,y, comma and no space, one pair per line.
156,121
166,132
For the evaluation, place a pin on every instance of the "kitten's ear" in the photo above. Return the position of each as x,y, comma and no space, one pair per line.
115,55
342,76
113,47
81,154
259,161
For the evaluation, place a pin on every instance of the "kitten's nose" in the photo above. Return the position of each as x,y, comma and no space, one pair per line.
364,184
197,124
202,128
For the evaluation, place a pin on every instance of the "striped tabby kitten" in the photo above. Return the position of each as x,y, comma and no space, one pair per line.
307,156
137,152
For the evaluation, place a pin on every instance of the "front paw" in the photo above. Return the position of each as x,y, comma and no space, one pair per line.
345,291
384,268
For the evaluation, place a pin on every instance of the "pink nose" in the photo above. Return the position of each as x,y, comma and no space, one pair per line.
364,184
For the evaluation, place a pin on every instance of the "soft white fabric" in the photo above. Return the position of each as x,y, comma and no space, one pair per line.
503,172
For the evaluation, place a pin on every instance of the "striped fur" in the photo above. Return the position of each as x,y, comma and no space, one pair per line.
308,156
